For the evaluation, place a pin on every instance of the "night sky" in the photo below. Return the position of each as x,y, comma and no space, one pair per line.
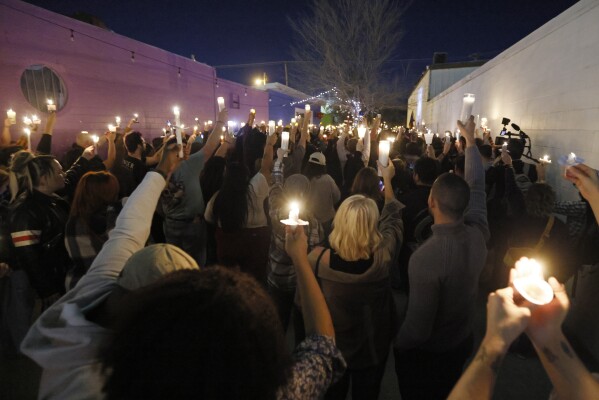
224,32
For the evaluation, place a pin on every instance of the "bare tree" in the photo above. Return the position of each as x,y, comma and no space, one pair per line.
347,44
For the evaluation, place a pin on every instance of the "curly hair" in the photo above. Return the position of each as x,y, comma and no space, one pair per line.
540,200
204,334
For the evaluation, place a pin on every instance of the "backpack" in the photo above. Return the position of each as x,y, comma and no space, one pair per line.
522,180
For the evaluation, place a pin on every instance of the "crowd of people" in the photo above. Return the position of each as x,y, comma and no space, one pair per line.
162,269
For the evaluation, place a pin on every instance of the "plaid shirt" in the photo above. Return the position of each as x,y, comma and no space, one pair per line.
282,271
576,216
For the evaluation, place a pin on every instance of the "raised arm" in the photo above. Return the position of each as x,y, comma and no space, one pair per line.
586,180
267,157
5,138
317,318
214,137
111,157
45,144
474,174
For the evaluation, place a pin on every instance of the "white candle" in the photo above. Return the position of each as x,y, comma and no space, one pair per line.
529,282
28,133
51,105
280,123
177,113
111,128
285,140
95,139
545,159
307,107
179,140
253,111
294,213
293,120
384,147
271,127
221,103
136,118
12,116
361,132
117,119
35,120
467,105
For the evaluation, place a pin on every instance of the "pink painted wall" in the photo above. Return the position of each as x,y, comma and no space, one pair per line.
102,81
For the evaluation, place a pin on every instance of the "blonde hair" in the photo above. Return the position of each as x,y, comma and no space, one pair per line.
355,235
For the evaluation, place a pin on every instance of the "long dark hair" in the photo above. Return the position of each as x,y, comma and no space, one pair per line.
231,203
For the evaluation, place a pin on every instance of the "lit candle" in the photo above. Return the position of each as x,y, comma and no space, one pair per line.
177,113
253,111
136,118
307,107
12,116
117,119
384,147
529,282
280,123
467,105
111,128
27,120
35,120
195,129
428,137
221,103
545,159
293,120
285,140
361,132
391,139
232,125
28,133
294,212
483,122
95,139
51,105
324,137
504,146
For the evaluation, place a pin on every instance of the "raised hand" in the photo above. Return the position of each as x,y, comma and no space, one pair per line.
505,320
546,321
586,180
467,130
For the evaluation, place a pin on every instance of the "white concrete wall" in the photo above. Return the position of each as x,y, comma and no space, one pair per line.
548,84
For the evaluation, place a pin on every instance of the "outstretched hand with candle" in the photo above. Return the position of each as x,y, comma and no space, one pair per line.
50,123
89,152
586,180
505,320
467,130
296,243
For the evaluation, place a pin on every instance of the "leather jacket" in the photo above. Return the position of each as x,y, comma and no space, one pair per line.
37,225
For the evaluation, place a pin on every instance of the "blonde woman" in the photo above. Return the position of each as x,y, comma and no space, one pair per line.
354,276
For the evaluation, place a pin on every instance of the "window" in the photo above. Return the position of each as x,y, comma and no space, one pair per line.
234,101
39,83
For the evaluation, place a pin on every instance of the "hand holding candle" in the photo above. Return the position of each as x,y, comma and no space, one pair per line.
384,147
545,159
285,141
51,105
221,103
271,127
467,105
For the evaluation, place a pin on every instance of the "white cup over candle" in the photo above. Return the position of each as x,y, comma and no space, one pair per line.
545,159
293,219
253,111
51,105
428,137
467,105
136,118
271,127
12,116
95,139
285,140
111,128
221,103
529,282
117,119
361,132
27,120
280,123
307,107
384,147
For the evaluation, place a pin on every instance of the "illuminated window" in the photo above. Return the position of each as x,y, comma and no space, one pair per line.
39,83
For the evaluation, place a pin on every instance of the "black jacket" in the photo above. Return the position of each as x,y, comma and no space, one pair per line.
37,225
